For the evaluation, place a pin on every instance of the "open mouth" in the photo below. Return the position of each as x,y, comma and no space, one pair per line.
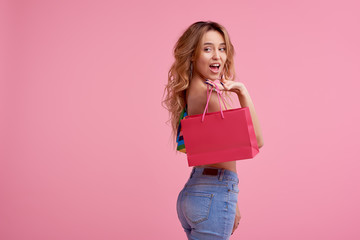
215,67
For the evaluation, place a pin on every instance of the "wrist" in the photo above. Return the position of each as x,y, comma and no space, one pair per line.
240,89
242,92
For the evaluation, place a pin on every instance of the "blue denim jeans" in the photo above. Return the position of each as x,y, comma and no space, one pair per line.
206,206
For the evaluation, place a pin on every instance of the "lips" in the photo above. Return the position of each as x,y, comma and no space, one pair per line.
214,67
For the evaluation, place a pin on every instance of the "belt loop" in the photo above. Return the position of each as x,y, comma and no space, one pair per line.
221,174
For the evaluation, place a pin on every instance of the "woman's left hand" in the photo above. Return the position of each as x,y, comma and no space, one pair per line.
237,219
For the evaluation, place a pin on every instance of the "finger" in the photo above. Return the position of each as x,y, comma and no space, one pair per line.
221,76
215,85
223,86
234,227
209,83
224,81
220,86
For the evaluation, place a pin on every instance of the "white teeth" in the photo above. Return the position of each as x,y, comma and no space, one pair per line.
215,65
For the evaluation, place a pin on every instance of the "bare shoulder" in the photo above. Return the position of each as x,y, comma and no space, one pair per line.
196,99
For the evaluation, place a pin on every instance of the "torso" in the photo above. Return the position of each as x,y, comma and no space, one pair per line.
227,165
192,104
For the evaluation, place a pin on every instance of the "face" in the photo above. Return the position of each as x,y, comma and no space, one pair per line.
212,51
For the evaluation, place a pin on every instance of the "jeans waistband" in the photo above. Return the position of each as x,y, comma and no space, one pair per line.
222,174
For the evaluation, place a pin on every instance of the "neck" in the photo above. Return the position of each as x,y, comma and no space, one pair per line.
197,77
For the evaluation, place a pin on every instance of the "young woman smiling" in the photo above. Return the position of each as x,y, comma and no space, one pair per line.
207,205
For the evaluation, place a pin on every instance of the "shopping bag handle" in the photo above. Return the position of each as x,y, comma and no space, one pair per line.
217,89
208,99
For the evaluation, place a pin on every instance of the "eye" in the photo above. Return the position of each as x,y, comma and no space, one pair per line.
223,48
207,49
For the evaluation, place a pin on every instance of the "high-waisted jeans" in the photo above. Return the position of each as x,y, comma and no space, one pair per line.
206,206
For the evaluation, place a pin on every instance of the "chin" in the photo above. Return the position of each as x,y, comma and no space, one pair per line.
214,78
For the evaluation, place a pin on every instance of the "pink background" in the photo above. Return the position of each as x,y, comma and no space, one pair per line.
85,151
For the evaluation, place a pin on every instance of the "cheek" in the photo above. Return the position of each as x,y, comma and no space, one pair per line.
204,62
224,60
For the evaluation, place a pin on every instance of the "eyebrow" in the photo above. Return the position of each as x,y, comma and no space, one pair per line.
209,43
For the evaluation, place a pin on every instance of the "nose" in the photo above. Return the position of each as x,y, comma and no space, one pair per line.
216,54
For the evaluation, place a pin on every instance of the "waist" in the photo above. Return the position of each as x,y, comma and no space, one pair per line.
212,172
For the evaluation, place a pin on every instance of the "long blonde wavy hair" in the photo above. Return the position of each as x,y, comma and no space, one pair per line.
179,75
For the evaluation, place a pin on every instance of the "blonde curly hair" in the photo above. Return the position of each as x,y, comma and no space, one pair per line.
180,72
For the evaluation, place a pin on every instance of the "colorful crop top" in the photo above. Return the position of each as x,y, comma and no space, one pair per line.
179,137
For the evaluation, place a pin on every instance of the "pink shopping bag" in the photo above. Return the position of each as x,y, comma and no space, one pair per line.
219,136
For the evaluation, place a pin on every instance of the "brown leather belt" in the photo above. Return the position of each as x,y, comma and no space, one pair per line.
211,171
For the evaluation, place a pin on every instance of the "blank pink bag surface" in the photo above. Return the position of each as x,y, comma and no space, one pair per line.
219,136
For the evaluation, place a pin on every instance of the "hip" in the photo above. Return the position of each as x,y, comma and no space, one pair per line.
212,180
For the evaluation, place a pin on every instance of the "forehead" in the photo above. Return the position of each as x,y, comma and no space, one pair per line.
212,37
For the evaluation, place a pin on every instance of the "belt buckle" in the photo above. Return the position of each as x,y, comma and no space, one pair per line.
210,171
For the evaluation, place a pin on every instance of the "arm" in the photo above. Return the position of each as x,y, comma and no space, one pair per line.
245,101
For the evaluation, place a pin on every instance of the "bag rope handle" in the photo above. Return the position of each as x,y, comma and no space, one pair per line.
219,93
208,99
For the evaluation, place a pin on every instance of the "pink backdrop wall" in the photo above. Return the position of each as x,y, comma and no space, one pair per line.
85,151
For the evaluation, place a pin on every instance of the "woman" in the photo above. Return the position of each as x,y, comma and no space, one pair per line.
207,205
